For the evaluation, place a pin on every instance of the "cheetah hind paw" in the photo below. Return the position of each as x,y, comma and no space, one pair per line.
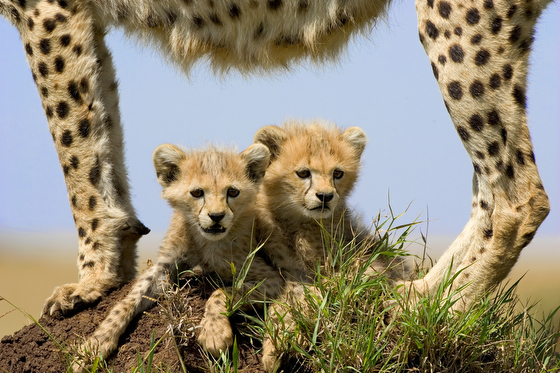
215,334
69,297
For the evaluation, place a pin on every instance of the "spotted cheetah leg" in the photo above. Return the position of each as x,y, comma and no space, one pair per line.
76,82
479,54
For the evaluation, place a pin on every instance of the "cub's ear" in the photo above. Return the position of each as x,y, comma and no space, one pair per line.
272,137
257,157
357,138
166,159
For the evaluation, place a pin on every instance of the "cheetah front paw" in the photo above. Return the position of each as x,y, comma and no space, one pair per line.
86,353
68,297
215,334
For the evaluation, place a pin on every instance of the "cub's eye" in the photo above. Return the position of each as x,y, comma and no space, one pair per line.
337,174
232,192
303,174
197,193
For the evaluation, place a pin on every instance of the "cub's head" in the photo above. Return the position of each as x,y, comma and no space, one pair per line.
211,187
313,167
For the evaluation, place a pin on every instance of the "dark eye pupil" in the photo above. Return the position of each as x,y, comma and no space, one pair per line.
303,173
197,193
232,192
338,174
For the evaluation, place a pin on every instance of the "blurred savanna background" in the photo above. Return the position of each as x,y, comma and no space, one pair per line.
414,160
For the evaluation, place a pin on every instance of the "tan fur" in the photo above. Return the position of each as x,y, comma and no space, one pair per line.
212,193
313,169
478,51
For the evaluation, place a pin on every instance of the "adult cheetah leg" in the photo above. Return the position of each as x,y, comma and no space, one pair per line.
479,54
76,81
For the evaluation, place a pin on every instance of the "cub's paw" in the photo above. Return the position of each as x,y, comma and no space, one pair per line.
68,297
215,334
270,359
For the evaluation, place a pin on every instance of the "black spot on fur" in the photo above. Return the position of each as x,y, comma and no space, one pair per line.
496,25
30,23
49,24
473,16
488,4
77,49
92,203
504,135
500,166
495,81
63,4
511,11
28,49
73,91
455,91
509,171
520,158
435,71
95,174
483,205
198,22
84,85
66,138
494,149
463,133
65,40
44,92
432,30
479,154
477,169
45,46
89,264
476,122
59,64
458,31
274,4
60,17
488,233
49,112
83,128
476,39
75,162
62,109
482,57
477,89
519,96
303,5
74,201
234,11
508,72
515,34
456,53
215,19
442,59
43,69
81,232
444,9
494,118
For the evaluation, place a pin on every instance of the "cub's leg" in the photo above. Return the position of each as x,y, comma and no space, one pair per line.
215,333
150,285
72,68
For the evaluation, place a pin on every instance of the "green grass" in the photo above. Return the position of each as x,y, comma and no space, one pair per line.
351,322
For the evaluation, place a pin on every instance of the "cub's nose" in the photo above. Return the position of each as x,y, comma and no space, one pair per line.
216,217
325,197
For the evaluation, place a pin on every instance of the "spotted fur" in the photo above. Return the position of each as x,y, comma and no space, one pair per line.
212,193
479,55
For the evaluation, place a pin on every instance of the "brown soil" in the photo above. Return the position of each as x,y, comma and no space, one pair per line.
32,350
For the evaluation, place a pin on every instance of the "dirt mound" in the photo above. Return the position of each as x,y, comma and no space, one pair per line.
32,350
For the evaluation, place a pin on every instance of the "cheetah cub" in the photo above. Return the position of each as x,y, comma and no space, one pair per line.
212,193
312,172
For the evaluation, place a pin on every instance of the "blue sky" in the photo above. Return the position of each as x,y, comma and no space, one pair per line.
384,85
